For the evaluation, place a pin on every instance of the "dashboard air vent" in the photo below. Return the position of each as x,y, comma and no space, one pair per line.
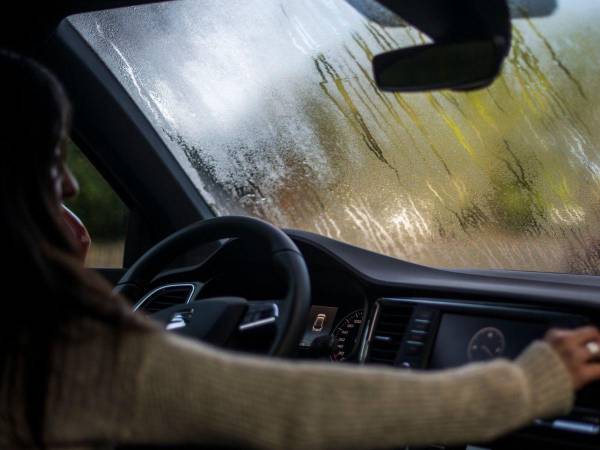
165,297
389,328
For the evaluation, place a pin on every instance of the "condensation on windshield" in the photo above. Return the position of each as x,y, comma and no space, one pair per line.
271,109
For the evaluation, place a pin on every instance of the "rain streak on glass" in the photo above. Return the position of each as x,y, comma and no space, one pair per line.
271,109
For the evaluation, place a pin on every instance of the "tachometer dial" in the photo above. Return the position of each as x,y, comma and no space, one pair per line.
346,335
488,343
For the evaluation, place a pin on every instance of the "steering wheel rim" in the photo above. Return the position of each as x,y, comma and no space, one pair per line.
280,248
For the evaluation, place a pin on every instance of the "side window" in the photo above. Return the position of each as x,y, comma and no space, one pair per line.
101,210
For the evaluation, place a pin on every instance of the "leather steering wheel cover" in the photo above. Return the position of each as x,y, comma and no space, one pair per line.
294,310
283,252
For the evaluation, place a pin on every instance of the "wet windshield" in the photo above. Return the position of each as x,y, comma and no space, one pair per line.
271,109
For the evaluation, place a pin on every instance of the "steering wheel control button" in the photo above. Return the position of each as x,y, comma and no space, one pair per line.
258,315
179,320
571,426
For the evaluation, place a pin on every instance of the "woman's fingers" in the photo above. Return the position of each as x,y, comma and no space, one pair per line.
578,335
579,349
590,373
582,355
586,334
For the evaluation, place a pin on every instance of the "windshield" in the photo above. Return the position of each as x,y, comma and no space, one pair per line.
271,109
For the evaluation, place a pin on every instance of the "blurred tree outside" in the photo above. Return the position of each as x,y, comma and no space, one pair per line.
100,209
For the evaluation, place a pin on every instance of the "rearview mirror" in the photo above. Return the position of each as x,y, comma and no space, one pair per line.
526,9
375,11
456,65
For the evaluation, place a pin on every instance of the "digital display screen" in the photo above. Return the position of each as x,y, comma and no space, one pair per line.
463,339
320,323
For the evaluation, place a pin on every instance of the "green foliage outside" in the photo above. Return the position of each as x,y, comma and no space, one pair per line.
97,205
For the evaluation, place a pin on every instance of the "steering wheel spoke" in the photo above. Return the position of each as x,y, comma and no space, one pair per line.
258,315
212,320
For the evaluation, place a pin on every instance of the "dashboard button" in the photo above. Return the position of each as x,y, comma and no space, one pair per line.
413,348
405,361
408,364
417,337
426,314
421,325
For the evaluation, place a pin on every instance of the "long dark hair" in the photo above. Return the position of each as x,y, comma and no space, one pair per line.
45,289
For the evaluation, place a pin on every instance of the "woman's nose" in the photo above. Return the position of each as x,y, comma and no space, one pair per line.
70,186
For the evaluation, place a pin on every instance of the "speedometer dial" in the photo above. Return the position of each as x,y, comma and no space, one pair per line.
488,343
346,335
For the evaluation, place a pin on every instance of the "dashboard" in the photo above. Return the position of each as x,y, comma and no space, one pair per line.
435,334
371,309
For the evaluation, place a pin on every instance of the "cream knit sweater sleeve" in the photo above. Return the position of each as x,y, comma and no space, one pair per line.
173,390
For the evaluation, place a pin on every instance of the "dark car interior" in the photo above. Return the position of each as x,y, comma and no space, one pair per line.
242,284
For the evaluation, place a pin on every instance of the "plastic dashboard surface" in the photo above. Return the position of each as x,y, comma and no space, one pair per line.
384,271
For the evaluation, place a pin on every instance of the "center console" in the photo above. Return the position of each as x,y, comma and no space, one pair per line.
426,334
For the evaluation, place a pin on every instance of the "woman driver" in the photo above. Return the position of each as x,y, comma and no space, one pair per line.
80,370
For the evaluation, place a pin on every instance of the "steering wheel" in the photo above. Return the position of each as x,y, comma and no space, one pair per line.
216,320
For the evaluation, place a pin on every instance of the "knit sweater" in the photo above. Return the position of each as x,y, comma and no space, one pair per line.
156,388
